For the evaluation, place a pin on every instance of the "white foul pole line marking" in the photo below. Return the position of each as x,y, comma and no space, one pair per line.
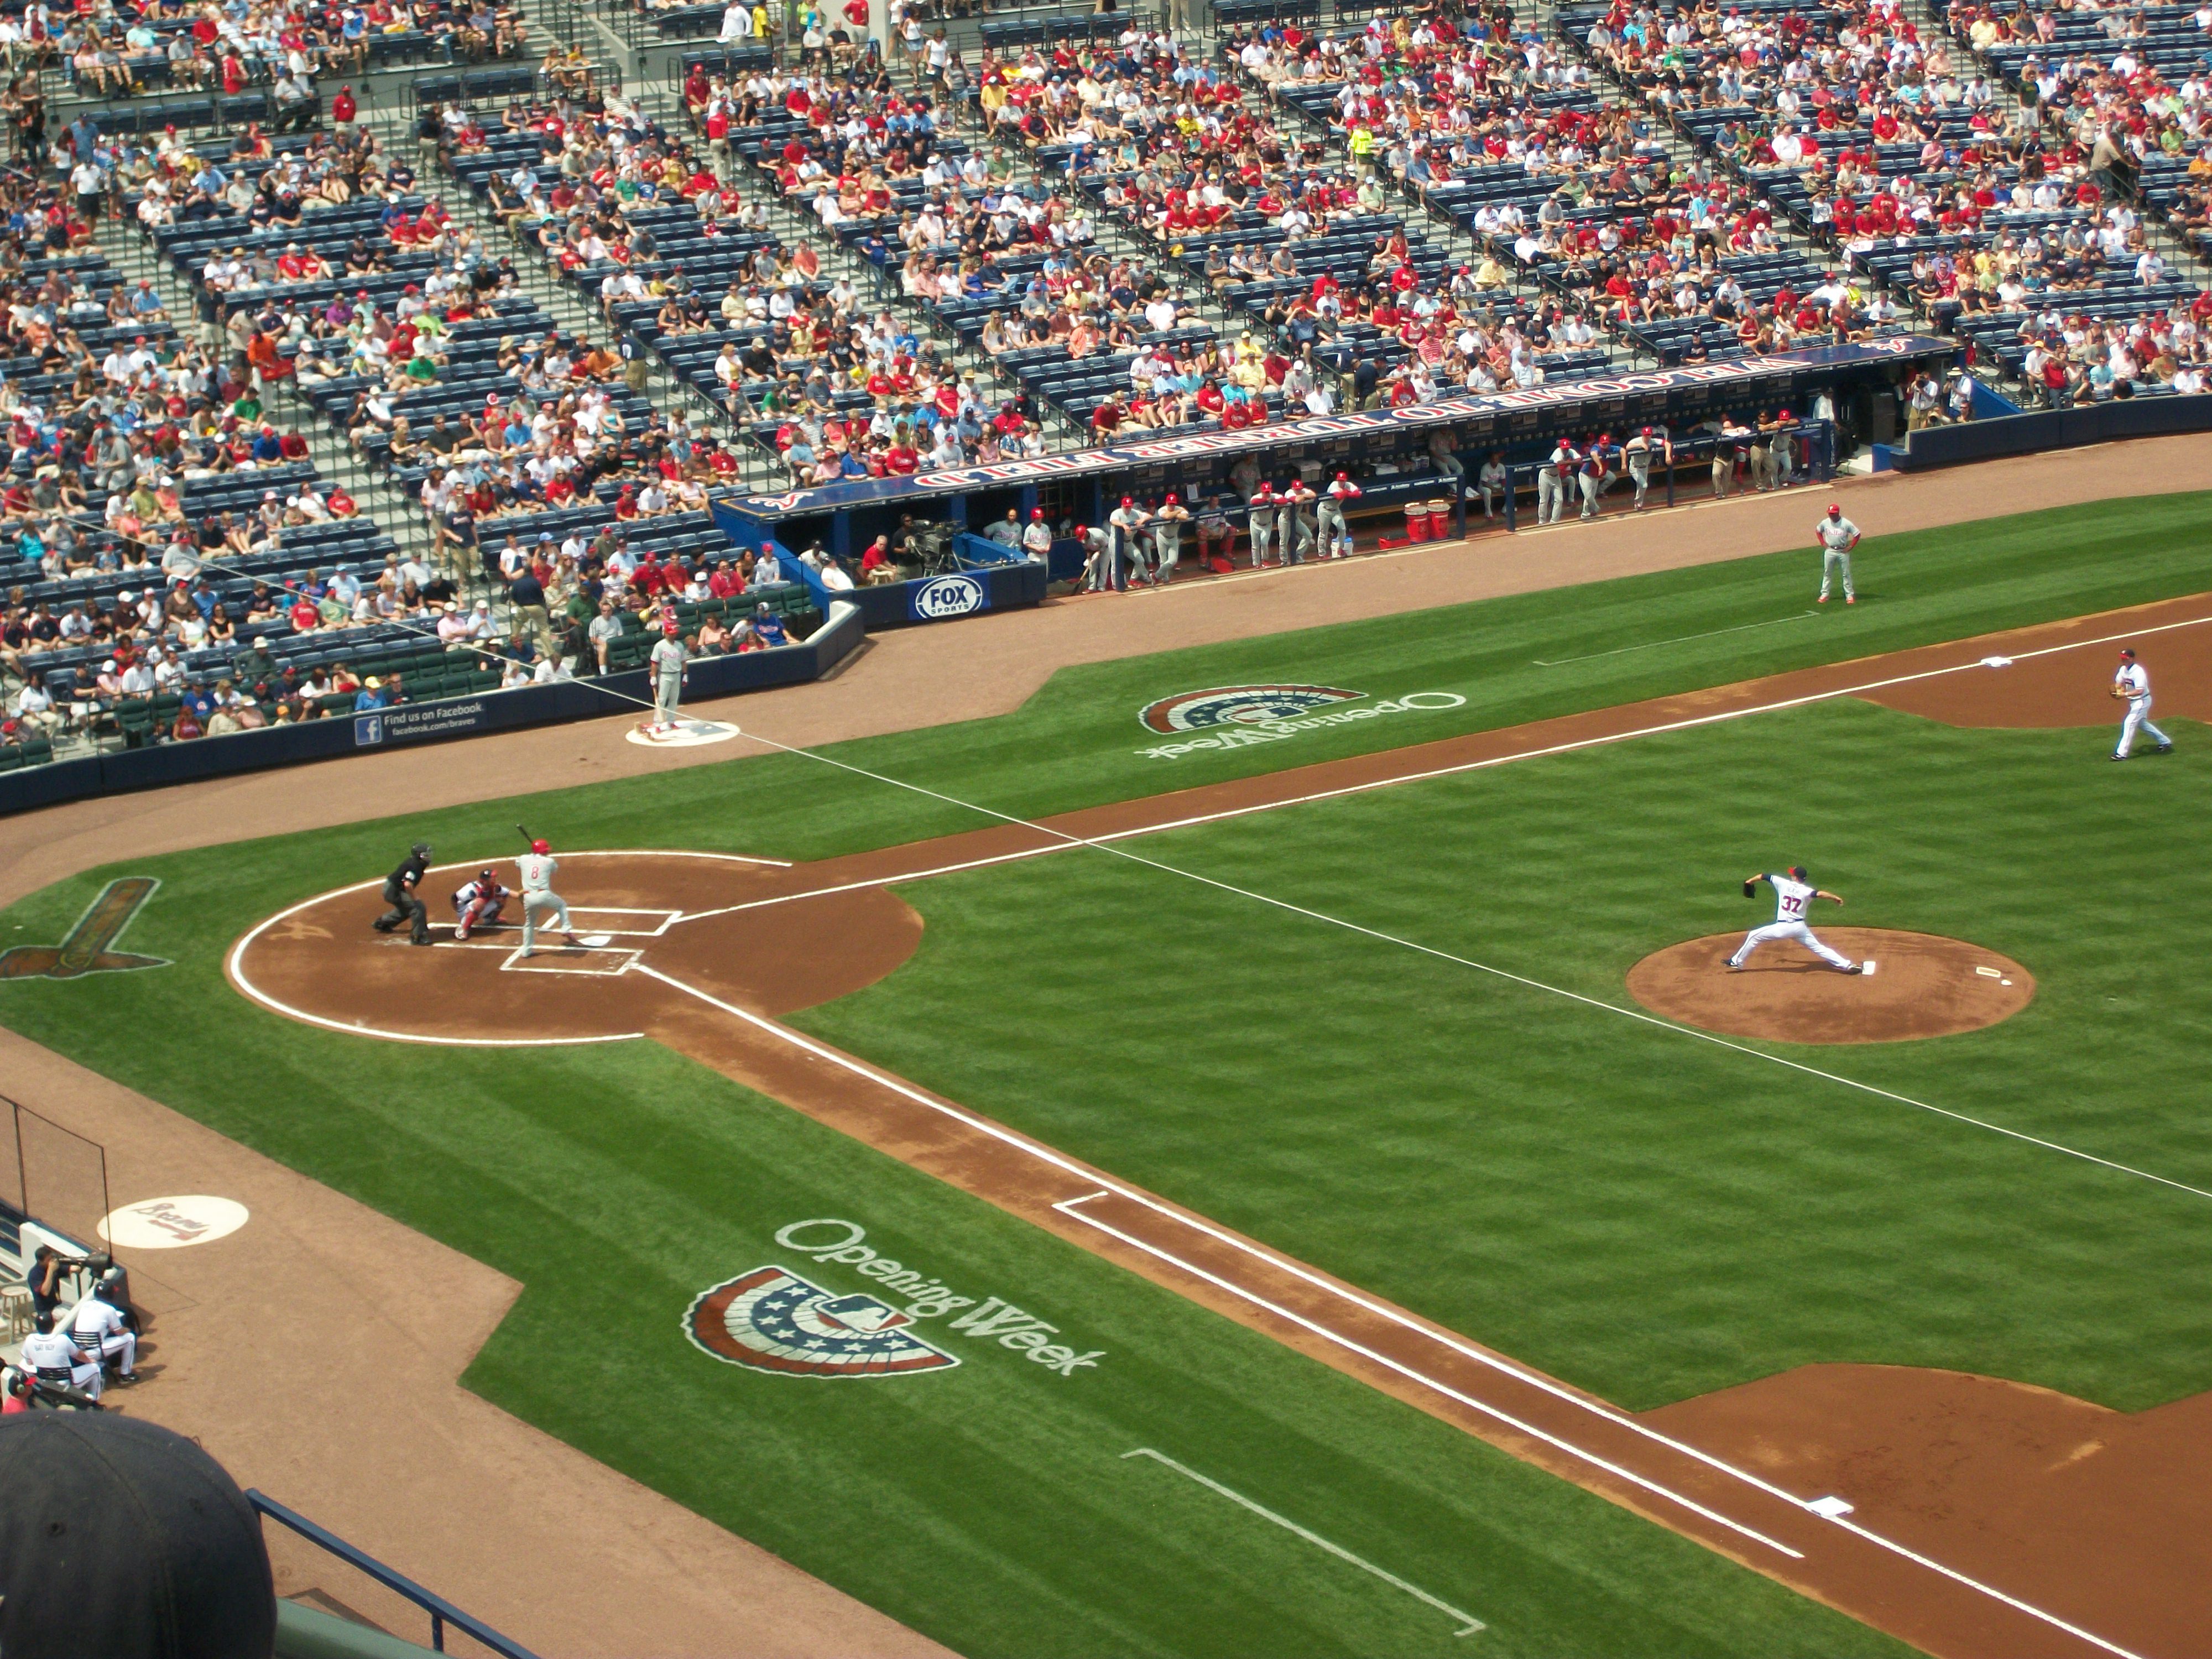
1063,841
1469,1624
1046,1155
1679,639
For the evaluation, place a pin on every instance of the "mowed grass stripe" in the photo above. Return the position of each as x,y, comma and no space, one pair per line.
1634,1209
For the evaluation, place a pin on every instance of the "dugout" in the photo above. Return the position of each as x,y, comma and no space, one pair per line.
1386,451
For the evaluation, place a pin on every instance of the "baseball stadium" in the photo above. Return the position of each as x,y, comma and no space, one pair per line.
1230,828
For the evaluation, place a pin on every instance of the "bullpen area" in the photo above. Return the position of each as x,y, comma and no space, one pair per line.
1261,1151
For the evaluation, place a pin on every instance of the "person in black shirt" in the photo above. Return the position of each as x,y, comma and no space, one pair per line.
401,892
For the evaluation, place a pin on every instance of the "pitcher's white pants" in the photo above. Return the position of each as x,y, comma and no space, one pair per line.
2138,719
1796,930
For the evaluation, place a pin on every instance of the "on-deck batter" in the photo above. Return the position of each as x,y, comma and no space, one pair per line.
1793,899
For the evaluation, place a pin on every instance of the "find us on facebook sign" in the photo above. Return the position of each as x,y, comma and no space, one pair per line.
942,598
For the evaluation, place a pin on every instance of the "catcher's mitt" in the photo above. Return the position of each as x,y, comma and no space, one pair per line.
2119,689
1750,890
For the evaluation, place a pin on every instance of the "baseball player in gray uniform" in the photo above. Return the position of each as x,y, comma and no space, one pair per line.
538,866
668,659
1836,536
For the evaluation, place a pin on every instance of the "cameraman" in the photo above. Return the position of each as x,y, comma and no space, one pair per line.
48,1269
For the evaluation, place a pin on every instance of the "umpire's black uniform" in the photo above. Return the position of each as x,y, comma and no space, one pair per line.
403,893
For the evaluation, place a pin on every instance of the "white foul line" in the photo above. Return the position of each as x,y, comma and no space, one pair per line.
1045,1155
1063,841
1470,1624
1679,639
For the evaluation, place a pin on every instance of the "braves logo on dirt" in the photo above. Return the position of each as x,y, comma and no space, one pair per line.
1238,705
771,1320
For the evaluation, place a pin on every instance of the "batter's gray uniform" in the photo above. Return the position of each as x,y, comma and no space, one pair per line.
538,871
668,659
1261,525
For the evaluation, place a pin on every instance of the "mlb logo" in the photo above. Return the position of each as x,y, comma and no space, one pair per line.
769,1319
861,1312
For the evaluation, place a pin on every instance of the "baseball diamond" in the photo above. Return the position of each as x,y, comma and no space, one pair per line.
1219,830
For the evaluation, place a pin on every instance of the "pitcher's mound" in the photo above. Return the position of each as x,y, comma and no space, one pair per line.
1922,985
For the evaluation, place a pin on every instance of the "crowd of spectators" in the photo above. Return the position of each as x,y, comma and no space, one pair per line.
1937,188
826,376
113,50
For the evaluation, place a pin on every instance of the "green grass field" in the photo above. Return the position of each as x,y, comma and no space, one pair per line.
1642,1213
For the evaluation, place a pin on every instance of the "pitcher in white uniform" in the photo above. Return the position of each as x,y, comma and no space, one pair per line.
1793,899
2132,685
538,866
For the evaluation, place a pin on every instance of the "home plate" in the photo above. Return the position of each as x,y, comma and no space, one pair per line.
596,941
684,734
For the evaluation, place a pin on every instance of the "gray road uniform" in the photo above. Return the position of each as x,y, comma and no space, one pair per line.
667,661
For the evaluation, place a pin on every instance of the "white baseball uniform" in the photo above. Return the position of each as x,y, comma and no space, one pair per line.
1793,900
2138,715
537,870
52,1358
1836,537
98,1330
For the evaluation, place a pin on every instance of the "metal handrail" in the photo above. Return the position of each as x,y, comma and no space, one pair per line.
442,1613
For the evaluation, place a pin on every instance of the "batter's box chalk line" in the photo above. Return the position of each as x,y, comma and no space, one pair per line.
570,959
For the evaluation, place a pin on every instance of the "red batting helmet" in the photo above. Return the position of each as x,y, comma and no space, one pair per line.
541,846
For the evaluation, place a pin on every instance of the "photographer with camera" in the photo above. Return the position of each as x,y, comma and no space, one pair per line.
49,1270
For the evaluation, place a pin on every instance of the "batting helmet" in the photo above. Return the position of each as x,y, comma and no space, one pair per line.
541,846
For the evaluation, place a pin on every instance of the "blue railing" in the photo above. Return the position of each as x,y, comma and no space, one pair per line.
442,1613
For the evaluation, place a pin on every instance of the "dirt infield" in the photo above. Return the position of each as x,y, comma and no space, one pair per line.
321,962
680,981
1921,985
1994,1478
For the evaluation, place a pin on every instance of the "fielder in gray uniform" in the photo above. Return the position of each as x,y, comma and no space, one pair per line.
1837,536
667,661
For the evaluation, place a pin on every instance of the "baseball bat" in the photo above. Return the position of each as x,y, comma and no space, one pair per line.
527,838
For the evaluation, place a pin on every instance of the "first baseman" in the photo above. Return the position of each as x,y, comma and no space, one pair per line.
1793,898
2132,685
539,867
1837,536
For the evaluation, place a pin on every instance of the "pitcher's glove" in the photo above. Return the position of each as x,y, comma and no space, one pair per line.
1750,890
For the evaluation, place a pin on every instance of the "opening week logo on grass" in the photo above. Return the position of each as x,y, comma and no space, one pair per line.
769,1319
1268,713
